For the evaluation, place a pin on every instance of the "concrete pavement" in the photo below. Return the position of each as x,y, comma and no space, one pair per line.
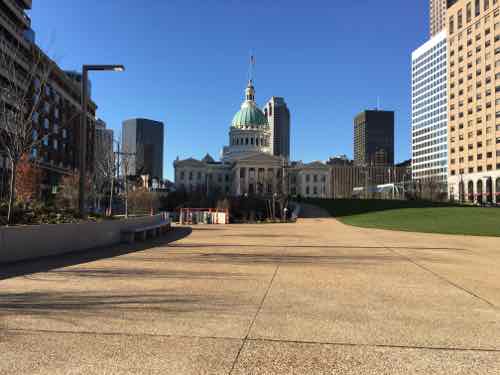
315,297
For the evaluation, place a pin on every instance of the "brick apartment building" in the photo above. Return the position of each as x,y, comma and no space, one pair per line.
56,119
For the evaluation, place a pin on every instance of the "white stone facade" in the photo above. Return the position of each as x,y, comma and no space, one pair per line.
476,188
311,180
253,174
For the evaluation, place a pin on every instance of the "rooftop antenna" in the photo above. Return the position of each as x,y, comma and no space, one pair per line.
251,67
378,103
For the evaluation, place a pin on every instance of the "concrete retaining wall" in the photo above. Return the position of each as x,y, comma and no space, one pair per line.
34,241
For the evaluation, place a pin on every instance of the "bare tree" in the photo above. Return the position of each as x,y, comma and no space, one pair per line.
127,162
26,72
67,197
104,176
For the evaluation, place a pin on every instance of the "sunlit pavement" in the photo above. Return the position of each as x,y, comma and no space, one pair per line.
315,297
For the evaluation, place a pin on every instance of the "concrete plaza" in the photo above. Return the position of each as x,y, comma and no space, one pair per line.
315,297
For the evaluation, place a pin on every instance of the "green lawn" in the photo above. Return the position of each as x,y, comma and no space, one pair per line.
415,216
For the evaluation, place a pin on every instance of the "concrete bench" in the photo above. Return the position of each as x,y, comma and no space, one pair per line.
151,231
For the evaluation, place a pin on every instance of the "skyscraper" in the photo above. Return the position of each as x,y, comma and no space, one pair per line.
374,138
474,104
437,16
278,117
103,140
144,139
429,111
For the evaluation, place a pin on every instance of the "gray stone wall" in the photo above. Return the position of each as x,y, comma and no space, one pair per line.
35,241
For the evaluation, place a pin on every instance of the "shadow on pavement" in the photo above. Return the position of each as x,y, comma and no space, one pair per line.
70,259
71,307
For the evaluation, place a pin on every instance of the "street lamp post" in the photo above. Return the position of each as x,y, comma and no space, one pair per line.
83,129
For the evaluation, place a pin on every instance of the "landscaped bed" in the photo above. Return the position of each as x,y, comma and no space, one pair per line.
35,214
415,216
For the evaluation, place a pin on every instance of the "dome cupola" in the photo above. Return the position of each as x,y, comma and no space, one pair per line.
249,116
249,131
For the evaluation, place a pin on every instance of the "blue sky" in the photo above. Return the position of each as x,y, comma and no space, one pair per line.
187,63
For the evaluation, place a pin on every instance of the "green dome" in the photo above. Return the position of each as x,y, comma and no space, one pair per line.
249,115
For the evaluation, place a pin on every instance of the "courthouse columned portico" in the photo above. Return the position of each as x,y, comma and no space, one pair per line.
248,166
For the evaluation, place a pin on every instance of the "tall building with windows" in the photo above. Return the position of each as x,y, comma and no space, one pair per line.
56,101
374,138
278,118
144,139
474,100
437,15
103,140
429,111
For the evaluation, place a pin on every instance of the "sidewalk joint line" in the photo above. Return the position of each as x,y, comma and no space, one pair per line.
409,347
442,278
150,335
254,319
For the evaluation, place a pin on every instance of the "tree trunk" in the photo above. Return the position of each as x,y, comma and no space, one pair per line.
110,209
126,199
12,193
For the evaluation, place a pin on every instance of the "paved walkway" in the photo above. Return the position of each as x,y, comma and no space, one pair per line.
316,297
